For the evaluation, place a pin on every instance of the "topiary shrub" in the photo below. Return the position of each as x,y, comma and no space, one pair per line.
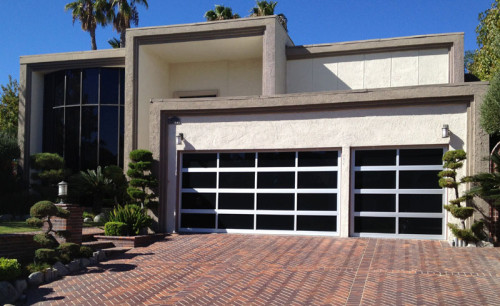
10,269
115,229
68,251
48,256
46,241
86,251
50,171
37,267
133,216
142,181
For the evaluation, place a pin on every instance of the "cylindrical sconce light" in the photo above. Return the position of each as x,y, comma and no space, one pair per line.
179,138
445,131
62,190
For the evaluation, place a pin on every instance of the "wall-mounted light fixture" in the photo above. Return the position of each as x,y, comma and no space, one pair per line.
62,190
445,131
179,138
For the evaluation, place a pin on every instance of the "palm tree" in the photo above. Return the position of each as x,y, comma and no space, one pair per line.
123,13
90,13
114,43
263,8
220,13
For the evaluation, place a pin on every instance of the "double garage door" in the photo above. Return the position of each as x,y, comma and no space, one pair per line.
393,192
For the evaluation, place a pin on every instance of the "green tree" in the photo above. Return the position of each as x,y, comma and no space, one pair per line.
114,43
123,13
220,13
90,13
487,58
142,181
263,8
9,107
490,109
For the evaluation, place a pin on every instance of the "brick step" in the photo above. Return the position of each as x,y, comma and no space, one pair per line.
112,252
99,245
88,237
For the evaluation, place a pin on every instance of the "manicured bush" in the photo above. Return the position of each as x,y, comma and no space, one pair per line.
10,269
115,229
133,216
88,215
37,267
142,181
49,171
46,241
48,256
68,251
86,251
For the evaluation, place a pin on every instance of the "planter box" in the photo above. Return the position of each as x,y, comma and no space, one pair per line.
131,241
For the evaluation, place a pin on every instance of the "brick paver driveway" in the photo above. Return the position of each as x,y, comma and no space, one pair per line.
283,270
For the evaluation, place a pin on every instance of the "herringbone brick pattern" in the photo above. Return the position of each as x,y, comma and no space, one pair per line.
230,269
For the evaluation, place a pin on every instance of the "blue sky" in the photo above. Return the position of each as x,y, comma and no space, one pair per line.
36,26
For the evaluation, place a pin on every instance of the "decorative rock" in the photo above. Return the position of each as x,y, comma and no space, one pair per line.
485,244
73,266
93,261
471,245
21,285
99,255
6,217
87,220
35,278
8,294
50,275
84,262
100,217
61,269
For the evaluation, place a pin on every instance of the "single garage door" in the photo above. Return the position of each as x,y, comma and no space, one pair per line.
396,193
275,192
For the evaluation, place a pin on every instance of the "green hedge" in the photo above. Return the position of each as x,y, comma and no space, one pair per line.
10,269
68,251
115,229
46,256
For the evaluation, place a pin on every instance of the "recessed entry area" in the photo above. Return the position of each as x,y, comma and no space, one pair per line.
395,193
274,192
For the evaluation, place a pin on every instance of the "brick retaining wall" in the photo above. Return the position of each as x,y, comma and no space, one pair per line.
20,246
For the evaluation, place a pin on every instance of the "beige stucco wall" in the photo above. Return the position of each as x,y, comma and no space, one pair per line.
36,124
342,129
230,78
371,70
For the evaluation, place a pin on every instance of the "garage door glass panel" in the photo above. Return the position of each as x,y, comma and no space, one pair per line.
375,202
236,180
199,180
318,158
259,192
271,222
375,158
428,203
198,200
317,223
277,159
227,221
275,201
236,201
237,160
318,179
197,160
411,157
317,201
276,180
198,220
375,179
421,226
418,180
375,225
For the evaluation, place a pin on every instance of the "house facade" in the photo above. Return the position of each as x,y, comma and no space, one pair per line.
253,134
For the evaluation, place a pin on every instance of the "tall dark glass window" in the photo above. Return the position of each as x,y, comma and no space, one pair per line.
83,116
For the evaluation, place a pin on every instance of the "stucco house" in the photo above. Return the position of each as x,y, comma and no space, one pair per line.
253,134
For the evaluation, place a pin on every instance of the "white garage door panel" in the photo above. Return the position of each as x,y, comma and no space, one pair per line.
396,193
274,192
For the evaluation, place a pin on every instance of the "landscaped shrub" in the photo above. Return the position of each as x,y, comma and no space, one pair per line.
46,241
133,216
142,181
37,267
49,172
48,256
115,229
86,251
10,269
68,251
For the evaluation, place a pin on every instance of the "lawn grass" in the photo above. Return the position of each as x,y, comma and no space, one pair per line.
12,227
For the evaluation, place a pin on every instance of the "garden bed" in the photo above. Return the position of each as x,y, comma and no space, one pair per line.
131,241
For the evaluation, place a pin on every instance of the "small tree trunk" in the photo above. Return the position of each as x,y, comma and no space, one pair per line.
92,40
122,38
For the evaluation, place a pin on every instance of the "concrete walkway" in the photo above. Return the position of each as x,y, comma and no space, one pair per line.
222,269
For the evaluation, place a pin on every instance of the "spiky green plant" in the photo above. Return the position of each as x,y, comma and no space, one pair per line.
133,216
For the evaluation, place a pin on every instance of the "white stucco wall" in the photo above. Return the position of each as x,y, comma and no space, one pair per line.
153,83
230,78
344,129
36,124
375,70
